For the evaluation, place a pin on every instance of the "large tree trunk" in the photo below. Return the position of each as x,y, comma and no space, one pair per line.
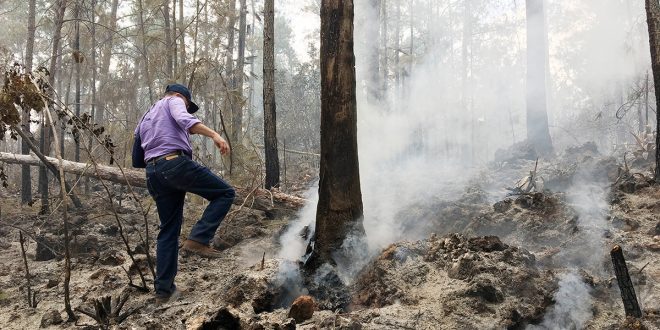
339,210
270,122
538,133
653,20
26,177
237,104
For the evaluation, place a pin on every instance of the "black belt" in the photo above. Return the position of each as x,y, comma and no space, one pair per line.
176,153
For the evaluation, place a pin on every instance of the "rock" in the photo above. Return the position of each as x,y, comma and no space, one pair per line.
52,282
502,206
487,244
112,258
223,319
51,317
289,324
46,248
302,309
486,291
51,246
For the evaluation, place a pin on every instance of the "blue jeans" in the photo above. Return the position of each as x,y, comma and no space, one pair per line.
168,181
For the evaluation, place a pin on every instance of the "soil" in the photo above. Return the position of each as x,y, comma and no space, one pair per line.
482,259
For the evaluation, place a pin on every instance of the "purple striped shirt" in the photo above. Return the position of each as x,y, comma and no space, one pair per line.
165,128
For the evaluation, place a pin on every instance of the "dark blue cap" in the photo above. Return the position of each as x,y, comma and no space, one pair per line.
183,90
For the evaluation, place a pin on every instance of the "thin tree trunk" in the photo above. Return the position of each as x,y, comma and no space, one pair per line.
26,177
466,49
182,33
105,60
168,39
175,44
339,210
60,8
78,58
653,21
397,51
374,83
412,37
93,83
538,133
145,57
383,46
237,105
270,122
65,215
229,63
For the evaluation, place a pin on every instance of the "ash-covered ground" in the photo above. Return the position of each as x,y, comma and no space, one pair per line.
488,258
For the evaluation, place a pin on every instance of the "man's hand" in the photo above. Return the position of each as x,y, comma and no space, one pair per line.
221,144
199,128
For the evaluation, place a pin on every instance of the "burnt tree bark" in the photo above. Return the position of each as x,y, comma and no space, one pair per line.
339,211
653,21
538,133
26,177
270,122
77,59
630,304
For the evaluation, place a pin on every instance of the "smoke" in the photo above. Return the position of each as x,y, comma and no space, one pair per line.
295,238
458,94
572,309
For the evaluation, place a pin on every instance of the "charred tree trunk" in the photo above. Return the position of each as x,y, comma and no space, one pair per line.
339,210
26,177
77,59
653,21
538,133
630,303
270,122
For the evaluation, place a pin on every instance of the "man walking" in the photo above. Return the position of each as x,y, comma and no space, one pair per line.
171,172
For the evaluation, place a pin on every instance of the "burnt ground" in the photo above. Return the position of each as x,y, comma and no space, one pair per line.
485,260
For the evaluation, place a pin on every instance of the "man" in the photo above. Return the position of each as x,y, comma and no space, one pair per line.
171,173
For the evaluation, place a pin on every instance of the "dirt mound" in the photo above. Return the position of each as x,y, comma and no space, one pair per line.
499,283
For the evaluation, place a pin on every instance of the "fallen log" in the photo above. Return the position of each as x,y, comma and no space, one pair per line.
260,199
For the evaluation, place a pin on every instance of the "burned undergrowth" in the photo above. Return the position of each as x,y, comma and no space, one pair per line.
482,259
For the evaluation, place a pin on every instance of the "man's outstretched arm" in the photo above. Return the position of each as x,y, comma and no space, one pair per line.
201,129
